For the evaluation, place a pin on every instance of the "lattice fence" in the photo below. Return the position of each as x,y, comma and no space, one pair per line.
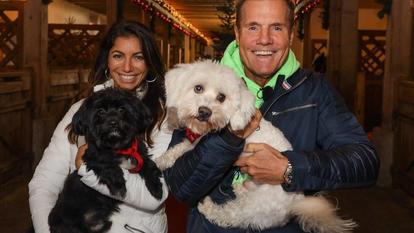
11,35
372,63
372,52
319,47
72,45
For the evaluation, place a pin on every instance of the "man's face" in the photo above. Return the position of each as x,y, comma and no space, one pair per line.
263,38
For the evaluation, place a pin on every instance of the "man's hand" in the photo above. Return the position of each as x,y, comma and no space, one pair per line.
79,155
265,165
251,127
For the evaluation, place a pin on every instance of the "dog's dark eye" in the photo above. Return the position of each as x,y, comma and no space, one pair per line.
198,89
121,110
100,112
221,97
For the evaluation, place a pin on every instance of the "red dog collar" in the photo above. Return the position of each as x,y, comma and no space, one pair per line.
190,135
133,152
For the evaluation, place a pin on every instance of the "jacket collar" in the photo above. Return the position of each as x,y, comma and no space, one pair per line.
284,86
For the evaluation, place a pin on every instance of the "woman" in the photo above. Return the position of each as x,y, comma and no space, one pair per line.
128,59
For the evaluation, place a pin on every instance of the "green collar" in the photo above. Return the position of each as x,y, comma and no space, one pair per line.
232,59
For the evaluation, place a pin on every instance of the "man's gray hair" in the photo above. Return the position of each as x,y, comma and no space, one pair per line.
290,15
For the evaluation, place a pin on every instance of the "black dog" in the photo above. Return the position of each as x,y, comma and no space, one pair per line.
112,122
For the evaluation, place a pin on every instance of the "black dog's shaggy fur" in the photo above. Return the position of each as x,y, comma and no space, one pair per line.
110,120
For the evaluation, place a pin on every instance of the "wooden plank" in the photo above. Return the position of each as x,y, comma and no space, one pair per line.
406,93
62,96
15,81
16,106
11,87
64,77
84,75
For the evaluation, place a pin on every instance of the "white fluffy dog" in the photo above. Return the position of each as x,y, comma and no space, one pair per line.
204,97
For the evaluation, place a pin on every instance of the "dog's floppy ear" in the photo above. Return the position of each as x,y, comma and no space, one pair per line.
173,78
246,109
172,118
80,127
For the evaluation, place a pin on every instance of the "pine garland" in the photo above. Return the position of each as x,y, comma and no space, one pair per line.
386,9
325,15
301,30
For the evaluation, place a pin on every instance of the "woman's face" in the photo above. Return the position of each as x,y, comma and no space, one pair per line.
126,63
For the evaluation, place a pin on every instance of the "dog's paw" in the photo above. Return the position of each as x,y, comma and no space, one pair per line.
152,176
118,189
155,187
114,179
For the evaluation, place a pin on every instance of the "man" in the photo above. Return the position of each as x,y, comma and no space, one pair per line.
330,149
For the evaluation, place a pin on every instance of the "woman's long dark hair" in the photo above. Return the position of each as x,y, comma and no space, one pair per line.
155,96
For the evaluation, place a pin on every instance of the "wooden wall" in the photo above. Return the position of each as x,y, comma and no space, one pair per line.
15,95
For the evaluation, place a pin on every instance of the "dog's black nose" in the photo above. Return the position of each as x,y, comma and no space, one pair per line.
204,113
113,123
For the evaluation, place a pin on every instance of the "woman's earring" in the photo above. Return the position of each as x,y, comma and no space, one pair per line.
152,80
108,76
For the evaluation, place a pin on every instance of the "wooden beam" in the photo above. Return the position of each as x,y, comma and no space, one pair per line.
35,50
343,48
111,11
399,34
307,42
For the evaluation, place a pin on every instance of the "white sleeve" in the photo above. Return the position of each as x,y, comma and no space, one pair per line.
137,194
50,174
162,139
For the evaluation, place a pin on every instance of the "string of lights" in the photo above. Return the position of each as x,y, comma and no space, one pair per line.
305,6
168,14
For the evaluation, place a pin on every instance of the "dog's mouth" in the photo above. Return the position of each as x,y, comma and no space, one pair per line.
114,134
202,119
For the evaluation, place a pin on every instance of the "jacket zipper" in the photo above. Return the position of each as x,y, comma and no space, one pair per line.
294,109
132,229
291,89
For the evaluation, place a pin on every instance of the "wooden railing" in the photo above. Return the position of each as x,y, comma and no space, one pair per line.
372,52
72,45
11,35
319,47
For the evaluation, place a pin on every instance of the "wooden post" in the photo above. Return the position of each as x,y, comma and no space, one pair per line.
187,48
398,55
35,44
35,51
360,98
193,49
307,43
391,143
111,11
343,48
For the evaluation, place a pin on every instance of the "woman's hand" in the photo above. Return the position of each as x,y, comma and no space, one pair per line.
251,127
79,155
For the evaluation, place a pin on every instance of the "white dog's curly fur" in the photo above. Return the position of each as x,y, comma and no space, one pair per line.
205,86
